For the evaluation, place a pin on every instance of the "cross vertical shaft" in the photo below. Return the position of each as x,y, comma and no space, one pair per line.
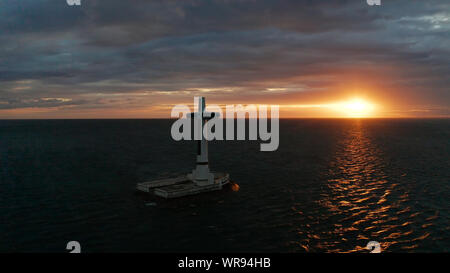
201,174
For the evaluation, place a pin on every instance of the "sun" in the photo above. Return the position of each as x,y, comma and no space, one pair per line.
356,108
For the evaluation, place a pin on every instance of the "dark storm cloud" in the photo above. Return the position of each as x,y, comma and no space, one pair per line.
26,16
156,19
117,46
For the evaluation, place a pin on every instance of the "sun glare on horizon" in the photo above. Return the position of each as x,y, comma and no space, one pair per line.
350,108
356,108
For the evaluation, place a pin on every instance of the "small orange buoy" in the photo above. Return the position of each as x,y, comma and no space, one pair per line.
235,187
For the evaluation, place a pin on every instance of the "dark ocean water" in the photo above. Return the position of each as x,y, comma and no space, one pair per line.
333,185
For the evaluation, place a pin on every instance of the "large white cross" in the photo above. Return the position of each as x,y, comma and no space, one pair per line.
201,174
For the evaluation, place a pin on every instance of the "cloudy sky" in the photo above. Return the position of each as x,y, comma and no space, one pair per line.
136,59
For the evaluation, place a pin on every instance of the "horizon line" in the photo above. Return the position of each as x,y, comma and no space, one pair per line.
281,118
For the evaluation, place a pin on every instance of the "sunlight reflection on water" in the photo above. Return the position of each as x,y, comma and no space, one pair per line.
360,202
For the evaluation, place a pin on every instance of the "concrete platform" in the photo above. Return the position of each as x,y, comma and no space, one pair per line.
151,185
182,186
